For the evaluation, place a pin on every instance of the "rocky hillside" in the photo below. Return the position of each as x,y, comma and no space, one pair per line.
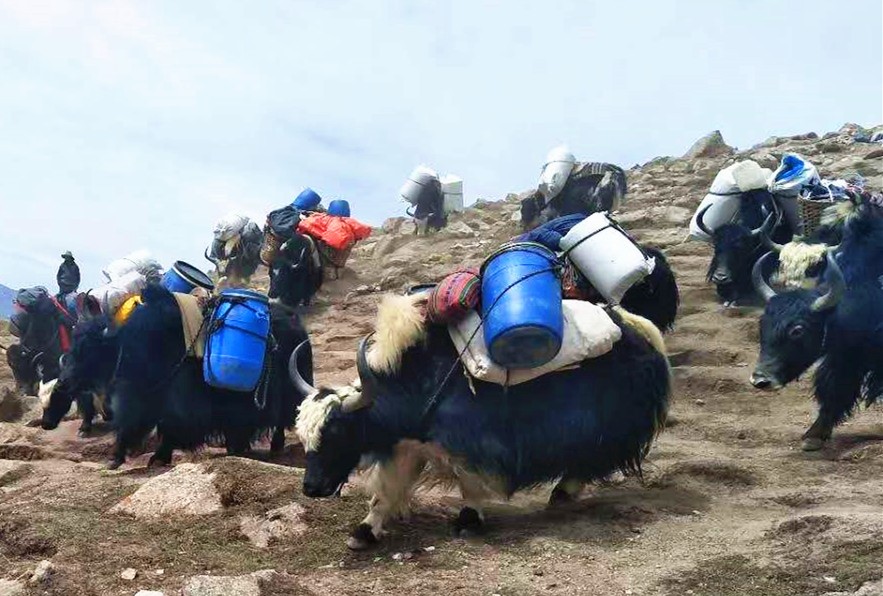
729,505
6,296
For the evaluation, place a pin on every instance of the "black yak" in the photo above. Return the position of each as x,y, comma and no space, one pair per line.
592,187
237,267
153,384
297,272
44,331
839,322
412,408
738,245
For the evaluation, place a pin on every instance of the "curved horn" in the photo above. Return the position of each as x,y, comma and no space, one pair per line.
767,227
838,287
760,284
772,244
833,249
299,383
365,397
701,224
209,258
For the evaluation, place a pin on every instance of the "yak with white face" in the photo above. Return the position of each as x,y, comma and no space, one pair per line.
415,411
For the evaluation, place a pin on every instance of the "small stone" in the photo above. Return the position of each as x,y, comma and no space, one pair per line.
695,512
429,549
129,574
742,435
700,402
42,573
397,556
538,572
148,593
160,571
829,579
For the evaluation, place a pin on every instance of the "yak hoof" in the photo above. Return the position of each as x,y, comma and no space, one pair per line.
560,498
277,444
158,461
114,464
362,538
468,523
84,433
812,444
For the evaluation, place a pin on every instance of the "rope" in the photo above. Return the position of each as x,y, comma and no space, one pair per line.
433,401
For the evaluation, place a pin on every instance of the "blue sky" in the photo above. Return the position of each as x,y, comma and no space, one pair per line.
127,125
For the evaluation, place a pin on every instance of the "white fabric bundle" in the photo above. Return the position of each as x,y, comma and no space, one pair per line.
589,332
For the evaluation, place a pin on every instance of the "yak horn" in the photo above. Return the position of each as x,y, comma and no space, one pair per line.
772,244
365,397
299,383
760,284
838,287
767,227
210,258
701,224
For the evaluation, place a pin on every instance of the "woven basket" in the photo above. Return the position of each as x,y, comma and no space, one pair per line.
270,247
811,213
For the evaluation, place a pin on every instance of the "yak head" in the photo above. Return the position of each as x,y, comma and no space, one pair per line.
88,367
294,276
736,248
792,327
331,426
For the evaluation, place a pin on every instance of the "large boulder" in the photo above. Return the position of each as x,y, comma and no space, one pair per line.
711,145
9,587
187,490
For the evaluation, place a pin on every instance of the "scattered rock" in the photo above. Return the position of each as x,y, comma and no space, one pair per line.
218,585
148,593
129,574
874,588
11,470
186,490
277,524
711,145
458,229
11,588
700,402
42,573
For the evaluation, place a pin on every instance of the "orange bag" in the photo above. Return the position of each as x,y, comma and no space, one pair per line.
337,232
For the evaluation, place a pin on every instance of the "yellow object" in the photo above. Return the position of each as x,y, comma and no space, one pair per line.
126,309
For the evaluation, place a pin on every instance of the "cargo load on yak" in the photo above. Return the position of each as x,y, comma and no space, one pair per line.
235,249
35,306
568,187
426,199
335,236
720,206
140,261
280,226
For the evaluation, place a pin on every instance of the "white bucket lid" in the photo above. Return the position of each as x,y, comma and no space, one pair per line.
560,153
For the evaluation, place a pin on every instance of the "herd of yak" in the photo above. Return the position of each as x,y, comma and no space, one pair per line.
412,409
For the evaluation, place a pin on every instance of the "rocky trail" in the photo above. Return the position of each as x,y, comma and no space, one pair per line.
729,504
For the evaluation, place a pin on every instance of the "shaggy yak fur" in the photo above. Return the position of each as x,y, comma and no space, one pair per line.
840,323
297,273
36,357
738,245
571,427
153,386
581,194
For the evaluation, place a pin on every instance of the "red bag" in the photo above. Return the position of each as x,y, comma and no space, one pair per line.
454,296
337,232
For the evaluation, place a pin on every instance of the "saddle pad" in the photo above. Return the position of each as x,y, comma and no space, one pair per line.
589,332
191,319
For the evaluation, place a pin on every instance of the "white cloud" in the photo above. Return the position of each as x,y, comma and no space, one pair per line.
127,124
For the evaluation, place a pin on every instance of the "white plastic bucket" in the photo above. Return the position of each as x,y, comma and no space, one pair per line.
609,259
419,182
452,189
723,199
128,263
112,295
556,171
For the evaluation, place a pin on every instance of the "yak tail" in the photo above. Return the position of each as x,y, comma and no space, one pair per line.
644,327
401,324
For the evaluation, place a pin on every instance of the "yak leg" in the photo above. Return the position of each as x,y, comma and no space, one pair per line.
566,491
277,443
838,388
237,442
163,454
470,520
391,484
86,407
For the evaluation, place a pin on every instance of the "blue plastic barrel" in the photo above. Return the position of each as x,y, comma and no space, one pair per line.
235,349
521,305
307,200
339,207
183,277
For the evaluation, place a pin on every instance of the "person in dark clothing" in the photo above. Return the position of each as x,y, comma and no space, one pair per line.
68,277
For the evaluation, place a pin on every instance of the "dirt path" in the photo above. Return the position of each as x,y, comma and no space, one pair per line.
729,504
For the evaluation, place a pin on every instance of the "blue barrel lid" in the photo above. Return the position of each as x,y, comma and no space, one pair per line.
193,275
528,246
307,199
339,207
243,293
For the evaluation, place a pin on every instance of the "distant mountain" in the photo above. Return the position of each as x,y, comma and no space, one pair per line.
6,296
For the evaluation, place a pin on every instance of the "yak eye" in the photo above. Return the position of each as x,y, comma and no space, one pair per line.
797,331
